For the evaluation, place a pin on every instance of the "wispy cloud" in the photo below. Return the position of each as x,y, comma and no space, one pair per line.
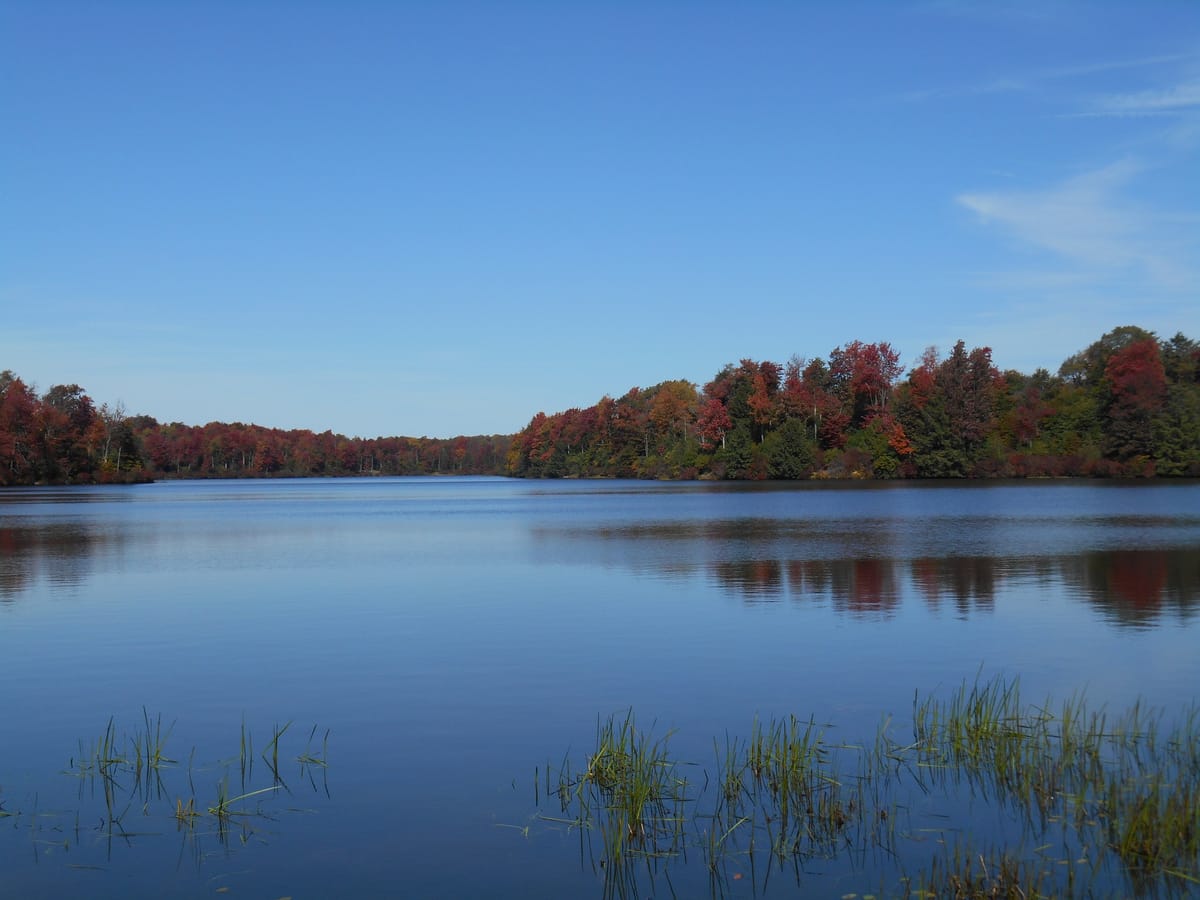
1035,79
1170,101
1086,222
1112,65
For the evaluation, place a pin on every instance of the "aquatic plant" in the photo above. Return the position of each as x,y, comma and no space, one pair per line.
1124,788
1083,801
629,791
996,875
224,808
135,771
271,754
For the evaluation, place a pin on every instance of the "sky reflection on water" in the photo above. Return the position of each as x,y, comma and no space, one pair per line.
453,634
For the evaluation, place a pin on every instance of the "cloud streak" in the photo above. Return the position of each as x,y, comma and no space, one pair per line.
1171,101
1084,222
1034,80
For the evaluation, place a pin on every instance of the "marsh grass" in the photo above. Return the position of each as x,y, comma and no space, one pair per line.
313,761
629,793
101,758
270,754
970,875
1124,788
245,754
186,815
149,745
134,772
635,785
1107,803
224,809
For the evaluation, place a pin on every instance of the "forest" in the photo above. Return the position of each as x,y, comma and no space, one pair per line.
1126,406
61,437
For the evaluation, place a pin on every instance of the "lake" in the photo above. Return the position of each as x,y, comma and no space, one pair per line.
438,645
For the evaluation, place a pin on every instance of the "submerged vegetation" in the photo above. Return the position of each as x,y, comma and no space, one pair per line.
986,796
130,791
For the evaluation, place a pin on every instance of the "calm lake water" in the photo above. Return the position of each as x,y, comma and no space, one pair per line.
455,635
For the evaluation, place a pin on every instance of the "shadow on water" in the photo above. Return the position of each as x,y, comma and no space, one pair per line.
867,568
1134,587
1137,587
60,553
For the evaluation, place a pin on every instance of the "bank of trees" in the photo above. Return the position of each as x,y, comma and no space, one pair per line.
1127,405
61,436
232,450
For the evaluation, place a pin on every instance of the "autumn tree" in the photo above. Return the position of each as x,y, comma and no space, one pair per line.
713,423
67,419
1030,411
968,383
831,415
1137,387
673,409
1087,367
749,394
863,375
18,406
922,380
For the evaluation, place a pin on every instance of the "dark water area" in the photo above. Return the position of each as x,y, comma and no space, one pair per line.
453,636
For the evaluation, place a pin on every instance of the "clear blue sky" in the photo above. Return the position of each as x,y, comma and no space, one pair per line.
439,218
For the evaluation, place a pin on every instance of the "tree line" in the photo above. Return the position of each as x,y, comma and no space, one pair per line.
1127,405
61,437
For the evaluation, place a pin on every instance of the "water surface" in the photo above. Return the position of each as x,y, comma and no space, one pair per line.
455,634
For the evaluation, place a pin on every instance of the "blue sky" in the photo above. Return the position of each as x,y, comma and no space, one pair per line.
440,218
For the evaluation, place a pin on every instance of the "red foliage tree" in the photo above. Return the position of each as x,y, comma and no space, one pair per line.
863,374
1138,386
18,406
713,423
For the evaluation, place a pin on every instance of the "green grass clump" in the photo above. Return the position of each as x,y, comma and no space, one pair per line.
1107,804
136,771
629,792
966,875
